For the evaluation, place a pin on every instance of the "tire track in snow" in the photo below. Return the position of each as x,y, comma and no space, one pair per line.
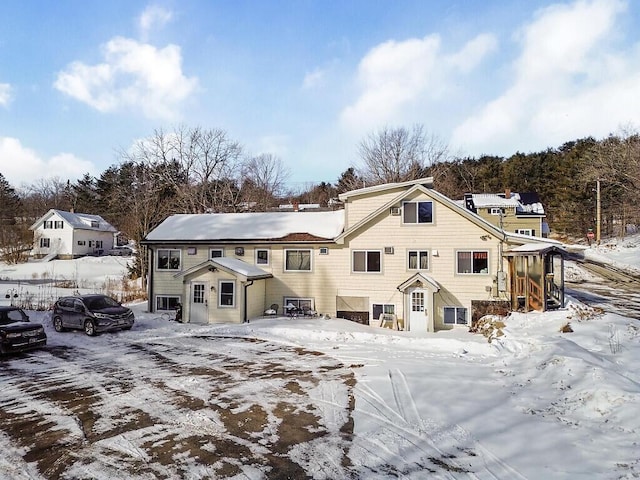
451,450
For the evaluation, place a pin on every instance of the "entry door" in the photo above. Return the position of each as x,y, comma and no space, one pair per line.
418,318
199,303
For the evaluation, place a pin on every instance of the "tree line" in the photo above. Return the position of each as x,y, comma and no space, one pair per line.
196,170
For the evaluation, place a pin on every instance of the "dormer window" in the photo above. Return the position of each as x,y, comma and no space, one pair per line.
95,224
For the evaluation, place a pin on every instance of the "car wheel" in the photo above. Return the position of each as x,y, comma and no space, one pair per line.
89,328
57,324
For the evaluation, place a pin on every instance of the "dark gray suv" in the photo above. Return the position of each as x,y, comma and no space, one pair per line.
92,313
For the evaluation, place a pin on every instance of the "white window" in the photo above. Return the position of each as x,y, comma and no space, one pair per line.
473,261
95,224
455,316
418,260
495,211
297,260
216,252
45,242
298,305
59,224
226,293
379,308
167,302
417,212
168,259
48,224
524,231
368,261
262,256
98,243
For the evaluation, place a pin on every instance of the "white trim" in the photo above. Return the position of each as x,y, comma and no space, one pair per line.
233,294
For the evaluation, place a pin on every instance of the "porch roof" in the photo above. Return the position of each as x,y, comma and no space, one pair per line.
535,249
421,277
231,265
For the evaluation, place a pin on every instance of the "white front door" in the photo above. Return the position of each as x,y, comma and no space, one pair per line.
418,310
198,306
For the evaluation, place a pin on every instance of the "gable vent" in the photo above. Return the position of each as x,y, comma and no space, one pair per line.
388,250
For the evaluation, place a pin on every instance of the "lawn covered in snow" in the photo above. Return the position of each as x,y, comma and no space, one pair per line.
533,403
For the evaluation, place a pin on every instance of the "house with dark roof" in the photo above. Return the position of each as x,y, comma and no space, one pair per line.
400,251
61,234
521,213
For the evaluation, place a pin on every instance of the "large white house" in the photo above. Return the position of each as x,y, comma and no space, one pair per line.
69,235
400,250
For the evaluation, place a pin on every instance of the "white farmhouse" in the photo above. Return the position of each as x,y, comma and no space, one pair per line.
70,235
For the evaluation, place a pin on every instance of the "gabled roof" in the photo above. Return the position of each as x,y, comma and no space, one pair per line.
258,226
230,265
419,277
78,221
426,181
422,186
419,186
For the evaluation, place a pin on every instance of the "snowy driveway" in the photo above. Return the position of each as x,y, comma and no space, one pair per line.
136,405
325,399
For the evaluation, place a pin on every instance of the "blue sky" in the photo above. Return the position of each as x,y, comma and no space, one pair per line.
308,80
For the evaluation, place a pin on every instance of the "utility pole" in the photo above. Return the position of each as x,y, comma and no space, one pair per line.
598,212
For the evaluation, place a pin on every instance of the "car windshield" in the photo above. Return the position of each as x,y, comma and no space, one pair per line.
98,303
11,316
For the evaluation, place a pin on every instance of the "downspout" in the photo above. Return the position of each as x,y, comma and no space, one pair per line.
150,281
246,286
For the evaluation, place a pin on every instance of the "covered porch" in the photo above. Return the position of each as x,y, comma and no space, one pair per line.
536,273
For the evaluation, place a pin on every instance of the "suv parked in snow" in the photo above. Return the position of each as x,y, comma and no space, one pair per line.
92,313
17,333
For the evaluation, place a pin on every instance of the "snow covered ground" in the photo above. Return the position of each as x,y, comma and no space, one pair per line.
534,403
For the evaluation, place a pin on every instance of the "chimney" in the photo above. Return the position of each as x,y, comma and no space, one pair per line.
507,193
296,206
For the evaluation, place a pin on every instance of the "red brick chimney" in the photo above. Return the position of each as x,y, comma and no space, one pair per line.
507,193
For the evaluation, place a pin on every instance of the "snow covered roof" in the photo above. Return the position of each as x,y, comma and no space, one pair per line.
248,226
524,203
82,221
243,268
529,248
486,200
235,265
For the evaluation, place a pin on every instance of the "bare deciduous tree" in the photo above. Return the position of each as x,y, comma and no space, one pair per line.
263,180
398,154
199,165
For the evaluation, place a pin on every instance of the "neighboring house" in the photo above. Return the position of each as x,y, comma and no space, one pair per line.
401,250
69,235
521,213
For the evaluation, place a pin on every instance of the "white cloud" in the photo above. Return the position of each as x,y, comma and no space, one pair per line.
568,83
313,79
5,94
394,76
133,76
22,165
154,16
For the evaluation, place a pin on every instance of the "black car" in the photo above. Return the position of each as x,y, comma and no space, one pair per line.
92,313
17,333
